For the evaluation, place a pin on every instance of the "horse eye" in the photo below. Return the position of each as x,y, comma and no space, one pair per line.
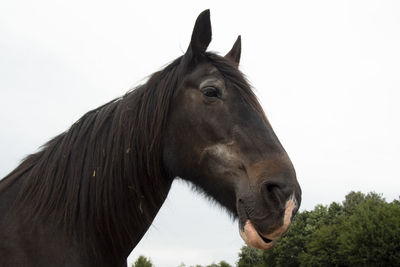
211,92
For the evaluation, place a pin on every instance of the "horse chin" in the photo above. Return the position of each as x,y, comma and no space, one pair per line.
254,238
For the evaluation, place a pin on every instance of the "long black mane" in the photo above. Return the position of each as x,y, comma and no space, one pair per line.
110,161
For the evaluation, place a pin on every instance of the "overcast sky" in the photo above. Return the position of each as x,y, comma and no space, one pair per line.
326,72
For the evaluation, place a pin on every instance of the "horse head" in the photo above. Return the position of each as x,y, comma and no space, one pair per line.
218,138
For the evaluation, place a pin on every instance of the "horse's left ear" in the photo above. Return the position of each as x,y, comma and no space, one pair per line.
234,54
201,36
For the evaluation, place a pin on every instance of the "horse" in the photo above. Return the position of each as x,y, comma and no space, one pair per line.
87,197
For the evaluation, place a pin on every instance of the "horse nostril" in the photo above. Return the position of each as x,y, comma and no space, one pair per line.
276,192
270,186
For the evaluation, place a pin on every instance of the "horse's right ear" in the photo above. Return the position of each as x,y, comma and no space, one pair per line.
201,37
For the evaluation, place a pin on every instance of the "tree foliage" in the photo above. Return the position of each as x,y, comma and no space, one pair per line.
249,257
220,264
364,230
142,261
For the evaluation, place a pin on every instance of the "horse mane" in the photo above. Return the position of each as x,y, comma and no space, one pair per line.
106,163
110,161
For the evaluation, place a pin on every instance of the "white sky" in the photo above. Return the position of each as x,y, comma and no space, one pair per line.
326,72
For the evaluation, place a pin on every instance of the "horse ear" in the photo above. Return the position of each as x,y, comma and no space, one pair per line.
234,54
201,36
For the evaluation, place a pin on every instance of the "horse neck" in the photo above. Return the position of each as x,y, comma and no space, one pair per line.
95,181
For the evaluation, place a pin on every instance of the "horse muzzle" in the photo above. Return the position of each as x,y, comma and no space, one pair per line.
254,238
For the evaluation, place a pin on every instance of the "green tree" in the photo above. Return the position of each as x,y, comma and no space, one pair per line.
220,264
250,257
352,200
366,234
335,212
363,230
371,235
322,249
142,261
224,264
